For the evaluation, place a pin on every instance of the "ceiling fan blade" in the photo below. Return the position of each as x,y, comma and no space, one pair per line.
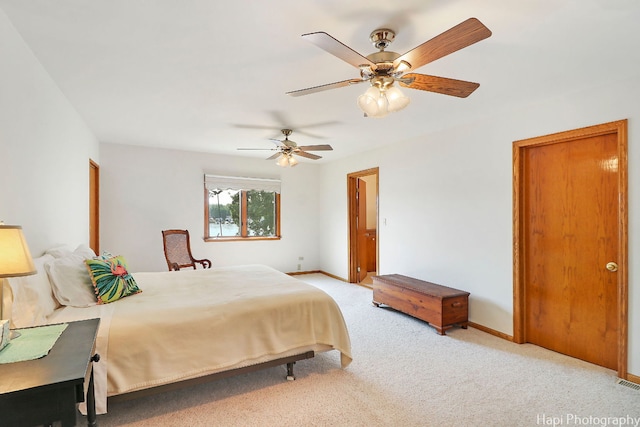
282,121
285,122
307,155
257,149
248,126
333,46
462,35
319,124
274,156
323,147
311,135
443,85
321,88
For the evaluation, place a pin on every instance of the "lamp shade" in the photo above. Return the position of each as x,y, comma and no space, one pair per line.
283,161
397,101
373,102
15,258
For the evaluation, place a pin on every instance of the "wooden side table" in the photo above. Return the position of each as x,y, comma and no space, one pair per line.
45,390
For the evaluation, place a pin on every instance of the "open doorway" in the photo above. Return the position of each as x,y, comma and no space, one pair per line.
362,189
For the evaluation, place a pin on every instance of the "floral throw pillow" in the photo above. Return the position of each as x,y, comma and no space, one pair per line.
110,279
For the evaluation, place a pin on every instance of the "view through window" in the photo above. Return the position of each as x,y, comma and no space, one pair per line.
221,222
239,208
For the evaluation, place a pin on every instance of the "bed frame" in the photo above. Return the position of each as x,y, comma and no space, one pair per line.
289,361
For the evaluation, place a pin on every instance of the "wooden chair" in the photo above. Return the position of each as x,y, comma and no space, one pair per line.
177,251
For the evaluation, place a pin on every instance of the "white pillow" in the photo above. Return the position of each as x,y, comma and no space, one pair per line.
70,279
85,251
59,251
33,298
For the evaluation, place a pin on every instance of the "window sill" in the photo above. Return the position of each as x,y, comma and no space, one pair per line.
238,239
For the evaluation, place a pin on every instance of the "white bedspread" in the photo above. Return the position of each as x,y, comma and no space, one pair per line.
196,322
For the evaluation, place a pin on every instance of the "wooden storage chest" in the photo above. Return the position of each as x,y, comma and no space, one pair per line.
441,306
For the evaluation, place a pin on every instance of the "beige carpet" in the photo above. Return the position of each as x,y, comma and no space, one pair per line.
403,374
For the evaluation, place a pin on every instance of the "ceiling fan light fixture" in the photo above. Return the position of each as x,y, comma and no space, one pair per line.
286,160
380,100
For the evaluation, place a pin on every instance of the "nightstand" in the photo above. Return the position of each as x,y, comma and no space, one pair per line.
46,390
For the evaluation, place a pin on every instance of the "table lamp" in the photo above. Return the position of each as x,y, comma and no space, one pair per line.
15,260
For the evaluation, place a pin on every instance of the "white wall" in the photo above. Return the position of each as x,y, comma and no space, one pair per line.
448,204
44,151
145,191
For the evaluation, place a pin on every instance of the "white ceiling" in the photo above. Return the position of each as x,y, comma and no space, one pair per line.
211,76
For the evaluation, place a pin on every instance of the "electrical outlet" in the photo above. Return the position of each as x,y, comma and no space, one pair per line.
299,267
300,258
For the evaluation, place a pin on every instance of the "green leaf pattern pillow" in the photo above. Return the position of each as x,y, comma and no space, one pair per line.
110,279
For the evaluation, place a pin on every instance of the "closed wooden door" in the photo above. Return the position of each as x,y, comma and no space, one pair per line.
571,208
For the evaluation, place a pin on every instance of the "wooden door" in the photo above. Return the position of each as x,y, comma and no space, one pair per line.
572,204
94,206
361,225
371,250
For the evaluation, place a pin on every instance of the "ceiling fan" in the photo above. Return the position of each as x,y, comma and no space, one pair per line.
286,149
383,68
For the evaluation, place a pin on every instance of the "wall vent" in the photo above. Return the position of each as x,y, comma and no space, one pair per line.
629,384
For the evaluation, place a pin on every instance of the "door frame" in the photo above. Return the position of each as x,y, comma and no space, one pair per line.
352,209
620,129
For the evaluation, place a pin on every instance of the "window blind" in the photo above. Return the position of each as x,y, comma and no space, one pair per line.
213,182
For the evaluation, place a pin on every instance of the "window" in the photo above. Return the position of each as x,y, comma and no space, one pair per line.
241,208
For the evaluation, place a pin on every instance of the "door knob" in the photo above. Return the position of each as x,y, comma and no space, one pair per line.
612,266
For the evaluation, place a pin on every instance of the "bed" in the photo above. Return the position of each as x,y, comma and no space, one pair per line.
183,326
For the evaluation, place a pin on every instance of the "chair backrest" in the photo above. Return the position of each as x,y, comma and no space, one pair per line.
177,250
